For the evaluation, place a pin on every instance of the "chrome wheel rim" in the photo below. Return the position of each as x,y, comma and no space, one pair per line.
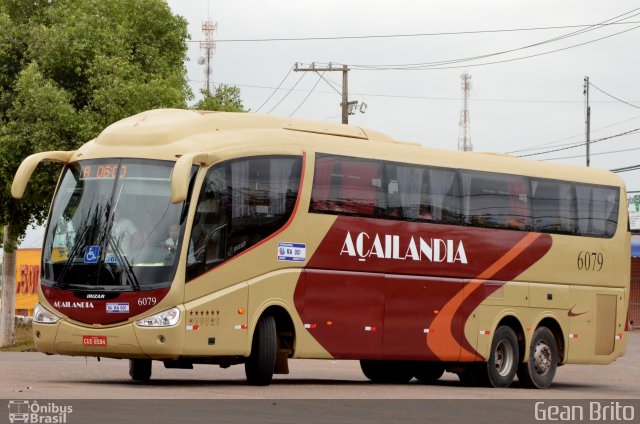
542,358
503,358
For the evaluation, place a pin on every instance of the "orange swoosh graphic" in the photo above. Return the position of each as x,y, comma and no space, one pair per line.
444,345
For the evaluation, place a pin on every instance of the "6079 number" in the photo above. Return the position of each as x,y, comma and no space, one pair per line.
147,301
590,261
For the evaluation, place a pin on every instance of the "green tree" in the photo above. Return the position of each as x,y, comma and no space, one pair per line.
68,68
226,98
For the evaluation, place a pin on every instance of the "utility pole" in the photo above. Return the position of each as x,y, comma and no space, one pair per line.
348,108
587,121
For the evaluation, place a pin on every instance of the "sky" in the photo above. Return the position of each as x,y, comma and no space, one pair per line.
529,99
517,104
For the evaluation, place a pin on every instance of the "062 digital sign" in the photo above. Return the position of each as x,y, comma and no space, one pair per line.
103,171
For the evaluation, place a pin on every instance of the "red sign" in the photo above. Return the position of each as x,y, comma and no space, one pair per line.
94,340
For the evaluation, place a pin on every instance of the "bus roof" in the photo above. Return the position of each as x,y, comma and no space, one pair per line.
171,133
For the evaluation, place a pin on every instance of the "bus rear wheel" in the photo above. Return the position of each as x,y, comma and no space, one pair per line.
261,364
395,372
140,369
503,362
538,372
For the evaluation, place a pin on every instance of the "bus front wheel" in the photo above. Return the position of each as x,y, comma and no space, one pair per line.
140,369
261,363
539,370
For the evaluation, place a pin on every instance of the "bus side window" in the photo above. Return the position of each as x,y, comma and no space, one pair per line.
349,186
553,207
496,200
404,191
597,206
442,197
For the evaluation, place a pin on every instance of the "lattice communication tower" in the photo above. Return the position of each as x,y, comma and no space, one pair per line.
464,137
208,46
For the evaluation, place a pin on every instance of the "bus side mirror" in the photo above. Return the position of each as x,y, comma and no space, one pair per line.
182,173
29,165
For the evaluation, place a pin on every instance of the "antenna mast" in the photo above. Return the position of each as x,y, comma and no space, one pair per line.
464,137
208,46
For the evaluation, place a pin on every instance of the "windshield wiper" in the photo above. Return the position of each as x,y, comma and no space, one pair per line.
126,265
72,255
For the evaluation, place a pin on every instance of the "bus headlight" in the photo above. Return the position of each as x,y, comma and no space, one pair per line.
162,319
41,315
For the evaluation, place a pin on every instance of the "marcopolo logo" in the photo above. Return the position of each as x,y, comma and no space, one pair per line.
25,411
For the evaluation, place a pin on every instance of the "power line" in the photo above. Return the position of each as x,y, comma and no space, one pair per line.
440,64
612,96
309,94
401,96
437,67
544,145
592,154
626,169
287,94
410,35
582,144
275,90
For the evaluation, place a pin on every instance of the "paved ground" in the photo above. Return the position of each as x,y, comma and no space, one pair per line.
37,376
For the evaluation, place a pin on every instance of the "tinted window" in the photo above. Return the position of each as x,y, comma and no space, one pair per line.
418,193
241,203
553,207
362,187
496,200
597,210
348,186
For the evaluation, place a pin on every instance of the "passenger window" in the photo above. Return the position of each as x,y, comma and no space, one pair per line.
496,200
348,186
597,210
553,207
404,192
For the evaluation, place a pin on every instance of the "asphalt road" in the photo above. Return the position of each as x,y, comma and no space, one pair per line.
38,376
58,389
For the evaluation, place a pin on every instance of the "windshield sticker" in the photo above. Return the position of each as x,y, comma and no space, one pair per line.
91,254
294,252
111,260
117,308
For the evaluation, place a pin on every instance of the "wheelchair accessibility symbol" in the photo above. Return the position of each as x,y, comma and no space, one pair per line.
91,254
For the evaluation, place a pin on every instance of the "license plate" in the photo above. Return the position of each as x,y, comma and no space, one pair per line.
94,340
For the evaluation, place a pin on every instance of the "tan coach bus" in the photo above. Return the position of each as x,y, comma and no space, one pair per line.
216,238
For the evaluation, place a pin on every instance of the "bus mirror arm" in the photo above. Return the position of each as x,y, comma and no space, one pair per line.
182,174
29,165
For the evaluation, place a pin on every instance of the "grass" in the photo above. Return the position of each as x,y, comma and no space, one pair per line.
23,340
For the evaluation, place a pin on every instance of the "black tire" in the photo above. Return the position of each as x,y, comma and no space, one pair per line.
261,364
140,369
503,362
390,372
428,372
538,372
474,374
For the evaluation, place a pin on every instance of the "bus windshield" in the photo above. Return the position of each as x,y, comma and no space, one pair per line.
113,226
